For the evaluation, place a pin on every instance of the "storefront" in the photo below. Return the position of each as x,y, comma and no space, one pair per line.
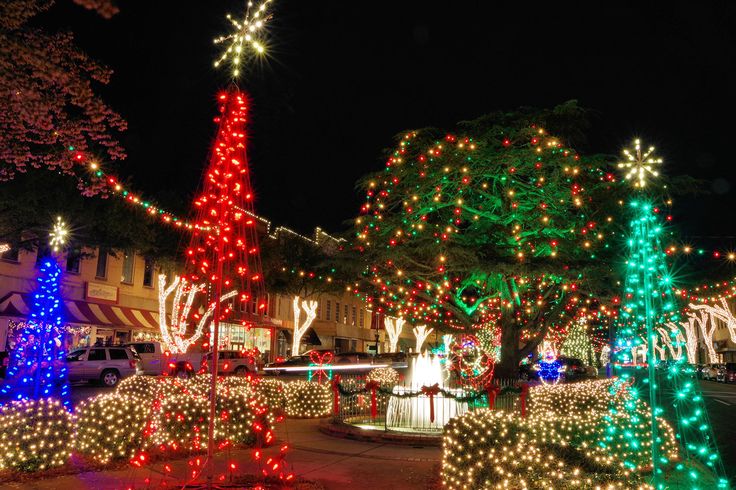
88,323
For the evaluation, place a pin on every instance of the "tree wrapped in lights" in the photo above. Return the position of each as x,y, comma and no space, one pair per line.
301,327
577,344
37,367
420,333
499,226
393,329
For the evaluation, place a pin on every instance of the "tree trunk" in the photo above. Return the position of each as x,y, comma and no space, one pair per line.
508,366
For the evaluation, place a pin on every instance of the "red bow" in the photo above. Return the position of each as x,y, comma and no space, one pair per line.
373,385
431,391
320,360
493,390
336,392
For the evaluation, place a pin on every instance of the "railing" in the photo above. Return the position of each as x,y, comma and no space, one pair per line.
404,407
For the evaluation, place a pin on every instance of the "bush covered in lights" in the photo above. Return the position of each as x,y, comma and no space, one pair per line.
111,426
34,434
272,390
386,376
582,435
307,400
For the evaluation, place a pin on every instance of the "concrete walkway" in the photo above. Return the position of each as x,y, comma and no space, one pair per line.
333,463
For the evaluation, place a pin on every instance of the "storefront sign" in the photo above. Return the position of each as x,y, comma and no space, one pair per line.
101,292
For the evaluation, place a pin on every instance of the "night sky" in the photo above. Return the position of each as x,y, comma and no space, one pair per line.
344,77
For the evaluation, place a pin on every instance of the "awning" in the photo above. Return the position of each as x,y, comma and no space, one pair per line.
78,311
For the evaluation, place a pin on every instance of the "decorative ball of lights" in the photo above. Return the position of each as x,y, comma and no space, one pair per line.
307,400
111,426
34,434
386,376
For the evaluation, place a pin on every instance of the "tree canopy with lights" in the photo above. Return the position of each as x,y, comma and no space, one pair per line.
500,224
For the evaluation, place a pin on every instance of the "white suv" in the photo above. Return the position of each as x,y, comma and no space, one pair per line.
107,365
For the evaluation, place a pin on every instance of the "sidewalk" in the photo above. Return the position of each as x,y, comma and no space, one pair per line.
332,462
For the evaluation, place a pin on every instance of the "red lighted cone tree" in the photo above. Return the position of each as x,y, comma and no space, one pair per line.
223,252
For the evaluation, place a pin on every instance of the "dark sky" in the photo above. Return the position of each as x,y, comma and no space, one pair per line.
345,76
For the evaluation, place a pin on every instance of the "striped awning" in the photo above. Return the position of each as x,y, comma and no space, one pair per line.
84,312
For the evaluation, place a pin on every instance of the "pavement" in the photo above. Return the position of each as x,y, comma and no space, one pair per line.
333,463
720,398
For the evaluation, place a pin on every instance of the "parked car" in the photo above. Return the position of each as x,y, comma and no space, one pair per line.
710,372
237,362
353,358
396,360
727,374
156,360
282,366
107,365
570,369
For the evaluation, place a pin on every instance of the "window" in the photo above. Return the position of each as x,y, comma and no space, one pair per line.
337,312
148,272
72,261
362,317
101,272
345,316
128,262
355,317
328,308
144,348
97,355
74,356
117,354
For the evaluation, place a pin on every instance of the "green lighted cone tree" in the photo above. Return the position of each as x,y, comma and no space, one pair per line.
648,302
501,226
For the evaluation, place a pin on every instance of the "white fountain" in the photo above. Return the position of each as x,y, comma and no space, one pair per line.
413,413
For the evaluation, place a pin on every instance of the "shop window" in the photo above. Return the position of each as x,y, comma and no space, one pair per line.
337,312
327,310
355,317
148,272
101,272
128,263
362,317
345,316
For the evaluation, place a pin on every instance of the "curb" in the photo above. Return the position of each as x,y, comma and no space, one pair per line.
346,431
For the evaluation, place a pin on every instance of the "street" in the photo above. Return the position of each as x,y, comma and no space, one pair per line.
721,402
82,391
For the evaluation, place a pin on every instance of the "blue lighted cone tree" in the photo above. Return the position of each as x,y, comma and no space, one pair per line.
37,367
648,303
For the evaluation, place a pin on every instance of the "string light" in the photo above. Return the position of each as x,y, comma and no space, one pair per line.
300,328
58,235
307,400
394,326
639,166
420,333
245,37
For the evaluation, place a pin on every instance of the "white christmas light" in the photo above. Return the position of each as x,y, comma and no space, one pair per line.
310,308
59,234
246,36
421,333
174,335
639,166
393,329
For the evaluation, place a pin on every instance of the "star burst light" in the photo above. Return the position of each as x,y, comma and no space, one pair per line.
640,165
58,235
246,36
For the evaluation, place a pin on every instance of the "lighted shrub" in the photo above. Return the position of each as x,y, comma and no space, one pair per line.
34,434
111,426
272,390
138,386
582,435
386,376
181,422
307,400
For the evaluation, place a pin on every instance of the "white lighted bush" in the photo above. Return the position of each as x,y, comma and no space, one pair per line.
386,376
111,426
34,435
307,400
272,390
